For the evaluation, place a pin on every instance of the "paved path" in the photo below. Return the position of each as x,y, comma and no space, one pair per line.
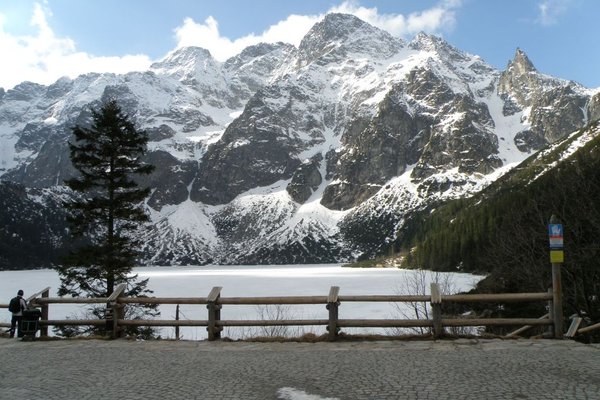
453,370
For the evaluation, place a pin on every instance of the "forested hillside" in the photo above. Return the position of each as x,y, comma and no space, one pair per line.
503,230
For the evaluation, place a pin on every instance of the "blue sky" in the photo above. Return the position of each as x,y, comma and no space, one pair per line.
46,39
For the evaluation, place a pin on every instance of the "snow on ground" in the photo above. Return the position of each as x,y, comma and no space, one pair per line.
288,393
240,281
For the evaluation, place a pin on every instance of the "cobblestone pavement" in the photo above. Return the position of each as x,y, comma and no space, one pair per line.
458,369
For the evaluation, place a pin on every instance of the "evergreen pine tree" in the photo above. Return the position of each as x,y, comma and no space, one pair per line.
108,208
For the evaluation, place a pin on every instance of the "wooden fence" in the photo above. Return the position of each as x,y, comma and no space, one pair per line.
115,321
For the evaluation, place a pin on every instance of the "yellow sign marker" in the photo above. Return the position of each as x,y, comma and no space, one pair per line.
557,256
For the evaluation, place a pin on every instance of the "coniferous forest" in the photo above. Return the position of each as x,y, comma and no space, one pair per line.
502,232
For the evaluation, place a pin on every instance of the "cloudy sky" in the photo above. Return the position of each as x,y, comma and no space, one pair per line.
42,40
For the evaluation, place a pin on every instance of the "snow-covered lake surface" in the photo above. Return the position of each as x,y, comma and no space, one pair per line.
240,281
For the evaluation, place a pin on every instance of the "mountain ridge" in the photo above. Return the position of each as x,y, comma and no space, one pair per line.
310,154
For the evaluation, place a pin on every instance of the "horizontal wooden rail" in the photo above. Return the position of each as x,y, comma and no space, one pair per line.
384,323
496,298
385,298
161,322
283,300
162,300
71,300
268,322
73,322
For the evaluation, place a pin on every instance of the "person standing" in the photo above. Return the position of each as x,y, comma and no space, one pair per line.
16,307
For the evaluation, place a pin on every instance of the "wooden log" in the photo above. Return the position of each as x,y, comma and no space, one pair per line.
589,329
525,328
496,298
162,322
270,322
385,298
163,300
333,306
73,322
289,300
72,300
384,323
495,321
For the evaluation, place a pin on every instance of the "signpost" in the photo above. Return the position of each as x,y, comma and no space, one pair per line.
557,257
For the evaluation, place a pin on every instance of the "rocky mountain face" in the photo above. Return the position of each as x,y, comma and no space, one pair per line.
320,153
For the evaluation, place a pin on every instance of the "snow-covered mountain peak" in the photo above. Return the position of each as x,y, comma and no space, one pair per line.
187,63
345,33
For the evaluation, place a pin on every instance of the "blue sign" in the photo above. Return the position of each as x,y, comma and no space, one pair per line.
555,234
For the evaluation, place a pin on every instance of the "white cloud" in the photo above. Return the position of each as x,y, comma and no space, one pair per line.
551,10
437,19
44,57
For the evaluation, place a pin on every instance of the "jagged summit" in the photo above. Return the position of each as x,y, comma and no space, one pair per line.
185,62
521,63
348,33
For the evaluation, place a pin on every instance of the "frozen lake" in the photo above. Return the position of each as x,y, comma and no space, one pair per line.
273,280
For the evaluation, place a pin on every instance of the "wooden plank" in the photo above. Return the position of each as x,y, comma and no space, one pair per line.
117,292
436,296
573,328
334,292
214,294
33,296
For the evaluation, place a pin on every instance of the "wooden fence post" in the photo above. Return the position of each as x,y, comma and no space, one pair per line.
550,332
214,313
115,311
177,319
333,306
45,313
436,310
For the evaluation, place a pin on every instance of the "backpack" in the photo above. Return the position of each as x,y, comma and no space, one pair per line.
15,305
